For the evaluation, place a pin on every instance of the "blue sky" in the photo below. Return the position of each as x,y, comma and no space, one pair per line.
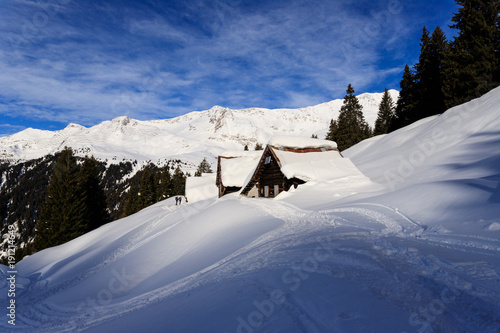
68,61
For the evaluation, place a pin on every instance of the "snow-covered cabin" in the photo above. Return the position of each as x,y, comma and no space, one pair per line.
233,168
291,161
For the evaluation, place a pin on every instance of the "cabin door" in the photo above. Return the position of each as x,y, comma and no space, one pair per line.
276,190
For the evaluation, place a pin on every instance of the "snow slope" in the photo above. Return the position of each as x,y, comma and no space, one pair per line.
189,137
418,255
450,162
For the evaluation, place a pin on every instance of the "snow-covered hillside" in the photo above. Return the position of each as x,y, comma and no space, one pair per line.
189,137
416,251
451,162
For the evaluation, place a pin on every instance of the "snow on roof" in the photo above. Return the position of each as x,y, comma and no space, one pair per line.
300,142
201,188
235,170
326,165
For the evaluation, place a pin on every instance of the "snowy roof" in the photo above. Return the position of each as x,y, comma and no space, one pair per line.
298,142
305,159
201,188
326,165
237,165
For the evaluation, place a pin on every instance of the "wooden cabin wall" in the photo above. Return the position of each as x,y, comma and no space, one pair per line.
231,189
218,180
223,190
271,175
292,182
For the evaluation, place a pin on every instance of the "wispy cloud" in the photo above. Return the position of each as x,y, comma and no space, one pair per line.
7,129
85,62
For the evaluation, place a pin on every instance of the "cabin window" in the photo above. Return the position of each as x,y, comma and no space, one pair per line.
276,190
268,159
323,149
266,191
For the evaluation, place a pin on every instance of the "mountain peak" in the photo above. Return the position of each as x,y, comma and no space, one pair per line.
219,116
124,121
217,108
72,126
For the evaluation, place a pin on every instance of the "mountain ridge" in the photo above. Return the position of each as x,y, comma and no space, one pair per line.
188,137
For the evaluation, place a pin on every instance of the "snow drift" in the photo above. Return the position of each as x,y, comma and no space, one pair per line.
201,188
236,166
444,168
416,253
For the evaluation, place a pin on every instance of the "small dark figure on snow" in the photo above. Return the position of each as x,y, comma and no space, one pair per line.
176,201
180,200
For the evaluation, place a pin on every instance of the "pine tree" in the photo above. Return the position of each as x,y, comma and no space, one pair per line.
429,97
332,131
245,148
420,78
352,127
439,47
96,213
133,204
405,106
386,111
178,182
165,186
258,146
496,71
423,58
203,167
472,61
62,215
147,189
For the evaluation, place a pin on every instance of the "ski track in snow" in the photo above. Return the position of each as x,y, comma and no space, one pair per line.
365,222
57,318
378,227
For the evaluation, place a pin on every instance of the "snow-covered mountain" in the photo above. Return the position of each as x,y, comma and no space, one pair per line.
189,137
417,252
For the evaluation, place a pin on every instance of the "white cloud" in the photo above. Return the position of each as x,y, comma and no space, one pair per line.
7,129
94,63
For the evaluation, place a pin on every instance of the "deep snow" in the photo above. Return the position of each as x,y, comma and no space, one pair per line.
417,249
236,166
